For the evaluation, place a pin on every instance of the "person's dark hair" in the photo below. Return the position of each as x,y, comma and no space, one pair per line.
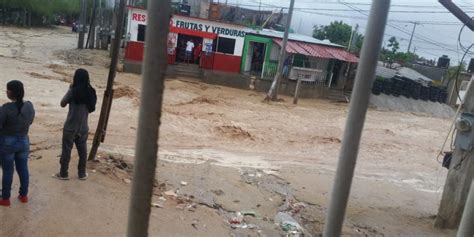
82,91
17,93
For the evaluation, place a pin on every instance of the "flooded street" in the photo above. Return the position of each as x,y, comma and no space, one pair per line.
222,151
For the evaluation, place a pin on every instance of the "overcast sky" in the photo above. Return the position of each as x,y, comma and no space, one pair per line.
436,35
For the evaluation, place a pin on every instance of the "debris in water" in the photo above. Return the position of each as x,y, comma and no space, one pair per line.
237,219
288,223
127,181
155,204
184,183
162,199
171,193
195,224
249,213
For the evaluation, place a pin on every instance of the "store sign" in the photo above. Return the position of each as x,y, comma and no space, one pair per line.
209,28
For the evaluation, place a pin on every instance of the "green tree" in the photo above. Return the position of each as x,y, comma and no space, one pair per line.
340,33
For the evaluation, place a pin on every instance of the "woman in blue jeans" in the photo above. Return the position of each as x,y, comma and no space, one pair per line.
15,120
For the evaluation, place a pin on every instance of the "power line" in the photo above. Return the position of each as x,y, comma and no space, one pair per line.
347,10
404,31
315,11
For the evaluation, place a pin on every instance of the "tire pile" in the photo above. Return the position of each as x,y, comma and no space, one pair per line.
399,86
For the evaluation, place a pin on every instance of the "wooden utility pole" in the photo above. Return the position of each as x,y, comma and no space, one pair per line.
411,37
461,171
273,92
297,90
91,35
82,24
108,94
151,101
459,178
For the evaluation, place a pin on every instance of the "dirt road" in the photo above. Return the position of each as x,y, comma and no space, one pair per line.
232,152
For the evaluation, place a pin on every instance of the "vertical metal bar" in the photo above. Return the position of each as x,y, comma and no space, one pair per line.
466,228
355,121
146,149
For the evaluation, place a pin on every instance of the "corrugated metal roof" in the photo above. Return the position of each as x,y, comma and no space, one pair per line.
318,51
293,36
412,74
384,72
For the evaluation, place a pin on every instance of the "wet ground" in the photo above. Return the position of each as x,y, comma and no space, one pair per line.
222,151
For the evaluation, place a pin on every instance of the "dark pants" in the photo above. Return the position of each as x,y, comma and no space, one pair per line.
69,139
14,152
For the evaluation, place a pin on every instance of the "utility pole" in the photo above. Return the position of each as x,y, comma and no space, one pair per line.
108,94
461,171
82,24
91,35
297,91
273,92
154,69
411,37
356,117
466,228
460,175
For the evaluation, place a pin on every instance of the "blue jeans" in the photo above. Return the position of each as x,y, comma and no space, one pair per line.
14,151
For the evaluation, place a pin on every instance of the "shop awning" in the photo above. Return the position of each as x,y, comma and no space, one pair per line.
201,34
318,51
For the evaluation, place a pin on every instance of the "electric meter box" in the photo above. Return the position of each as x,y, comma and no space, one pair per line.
465,136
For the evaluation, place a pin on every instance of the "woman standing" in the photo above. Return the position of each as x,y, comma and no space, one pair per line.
81,98
15,120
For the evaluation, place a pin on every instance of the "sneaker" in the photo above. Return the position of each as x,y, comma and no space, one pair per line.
23,199
5,202
83,176
60,177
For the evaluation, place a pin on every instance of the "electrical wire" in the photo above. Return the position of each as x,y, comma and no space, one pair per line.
404,31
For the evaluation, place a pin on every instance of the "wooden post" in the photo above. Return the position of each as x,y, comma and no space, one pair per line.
108,94
297,90
459,178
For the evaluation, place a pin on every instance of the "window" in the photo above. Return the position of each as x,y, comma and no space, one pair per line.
226,45
141,33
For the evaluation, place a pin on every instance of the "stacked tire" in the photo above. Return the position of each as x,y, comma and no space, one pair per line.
434,93
443,96
415,90
425,93
387,86
377,87
397,87
407,85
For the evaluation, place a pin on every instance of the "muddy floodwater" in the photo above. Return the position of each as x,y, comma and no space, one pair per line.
228,163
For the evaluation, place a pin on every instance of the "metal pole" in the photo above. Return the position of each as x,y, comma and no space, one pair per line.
466,228
356,117
273,92
411,37
146,150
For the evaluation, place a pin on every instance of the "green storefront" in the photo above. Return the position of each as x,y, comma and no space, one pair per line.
256,54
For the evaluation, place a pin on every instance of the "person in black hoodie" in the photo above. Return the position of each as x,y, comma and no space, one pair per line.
81,98
15,120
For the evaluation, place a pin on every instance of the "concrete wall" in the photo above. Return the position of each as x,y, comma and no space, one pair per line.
288,88
234,80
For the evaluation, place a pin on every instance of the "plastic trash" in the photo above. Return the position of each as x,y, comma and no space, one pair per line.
287,222
249,213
